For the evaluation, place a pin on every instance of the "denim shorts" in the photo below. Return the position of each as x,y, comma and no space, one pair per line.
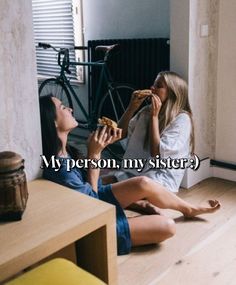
122,227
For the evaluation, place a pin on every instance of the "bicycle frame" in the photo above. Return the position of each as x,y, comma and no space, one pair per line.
105,77
116,94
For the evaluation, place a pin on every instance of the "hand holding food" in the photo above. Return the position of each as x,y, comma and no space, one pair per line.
113,132
155,106
138,97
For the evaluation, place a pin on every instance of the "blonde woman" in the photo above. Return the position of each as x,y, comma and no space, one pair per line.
163,130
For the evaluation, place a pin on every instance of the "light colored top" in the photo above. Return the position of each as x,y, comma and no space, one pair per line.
174,143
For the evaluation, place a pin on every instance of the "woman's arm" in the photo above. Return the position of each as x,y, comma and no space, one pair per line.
133,106
96,144
154,126
154,136
98,140
124,121
93,173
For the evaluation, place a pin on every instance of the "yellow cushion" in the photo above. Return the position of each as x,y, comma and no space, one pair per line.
58,271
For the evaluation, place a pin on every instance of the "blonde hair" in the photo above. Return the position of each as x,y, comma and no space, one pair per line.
177,101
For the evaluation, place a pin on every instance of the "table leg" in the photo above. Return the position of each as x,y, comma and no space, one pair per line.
97,254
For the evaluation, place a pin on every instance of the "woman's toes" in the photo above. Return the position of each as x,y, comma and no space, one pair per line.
211,203
214,203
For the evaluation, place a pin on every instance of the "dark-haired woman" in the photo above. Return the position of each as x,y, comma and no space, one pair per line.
56,122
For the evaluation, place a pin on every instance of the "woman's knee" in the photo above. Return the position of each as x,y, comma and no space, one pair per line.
168,229
143,182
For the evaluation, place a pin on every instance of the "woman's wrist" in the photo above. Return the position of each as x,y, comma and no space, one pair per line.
93,155
154,117
130,110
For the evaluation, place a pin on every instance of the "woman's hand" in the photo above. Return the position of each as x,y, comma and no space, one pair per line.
102,137
154,126
135,102
114,134
155,106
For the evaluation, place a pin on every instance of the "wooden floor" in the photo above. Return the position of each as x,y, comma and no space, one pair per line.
203,251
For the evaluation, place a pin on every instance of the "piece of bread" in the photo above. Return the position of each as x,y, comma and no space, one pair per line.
104,121
143,93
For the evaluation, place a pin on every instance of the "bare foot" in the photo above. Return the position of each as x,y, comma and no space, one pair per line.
150,209
195,211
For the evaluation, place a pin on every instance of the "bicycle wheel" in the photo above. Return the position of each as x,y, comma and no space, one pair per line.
115,102
57,89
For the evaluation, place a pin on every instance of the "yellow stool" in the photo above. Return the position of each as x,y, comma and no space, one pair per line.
58,271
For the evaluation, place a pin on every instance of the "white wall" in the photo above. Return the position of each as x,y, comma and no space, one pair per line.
105,19
179,37
226,84
211,73
195,58
19,112
202,73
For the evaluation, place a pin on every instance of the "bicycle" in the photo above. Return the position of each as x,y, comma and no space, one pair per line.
113,102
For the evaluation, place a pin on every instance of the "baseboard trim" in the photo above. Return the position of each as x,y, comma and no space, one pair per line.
224,173
192,177
206,170
223,164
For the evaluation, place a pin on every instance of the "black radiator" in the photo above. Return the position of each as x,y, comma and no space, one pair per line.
137,63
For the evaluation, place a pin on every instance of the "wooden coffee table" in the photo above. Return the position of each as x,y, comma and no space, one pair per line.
54,220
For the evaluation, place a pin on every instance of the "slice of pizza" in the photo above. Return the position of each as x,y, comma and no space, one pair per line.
143,93
104,121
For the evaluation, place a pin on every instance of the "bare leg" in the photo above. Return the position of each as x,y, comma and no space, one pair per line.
150,229
137,188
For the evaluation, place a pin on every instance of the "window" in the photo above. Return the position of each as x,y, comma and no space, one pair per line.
58,22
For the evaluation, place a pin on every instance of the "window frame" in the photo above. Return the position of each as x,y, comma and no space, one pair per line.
44,26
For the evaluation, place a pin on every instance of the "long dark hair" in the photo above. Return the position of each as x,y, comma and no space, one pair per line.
50,140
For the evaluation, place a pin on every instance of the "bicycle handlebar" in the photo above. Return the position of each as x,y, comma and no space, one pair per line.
63,58
81,47
44,45
57,49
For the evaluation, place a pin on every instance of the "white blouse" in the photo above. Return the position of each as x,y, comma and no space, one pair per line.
174,144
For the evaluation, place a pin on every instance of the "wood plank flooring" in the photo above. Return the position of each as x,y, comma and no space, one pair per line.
203,251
